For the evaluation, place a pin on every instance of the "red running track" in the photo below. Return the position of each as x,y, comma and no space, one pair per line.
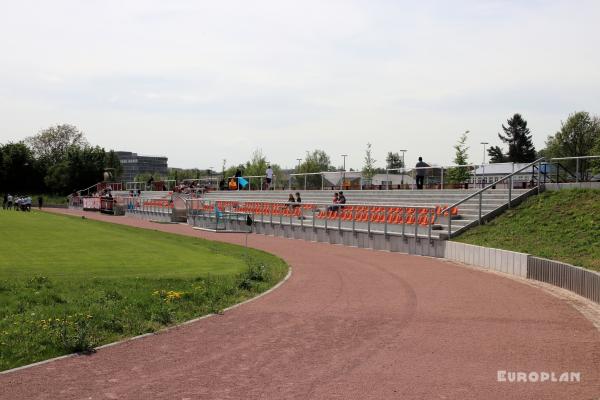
349,324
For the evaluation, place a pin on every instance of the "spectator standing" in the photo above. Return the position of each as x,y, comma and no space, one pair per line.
421,173
27,203
9,201
269,174
40,202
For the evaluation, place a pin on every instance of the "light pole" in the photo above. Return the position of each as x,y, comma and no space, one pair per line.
344,169
403,167
298,159
483,164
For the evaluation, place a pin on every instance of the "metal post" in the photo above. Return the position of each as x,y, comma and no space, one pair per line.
416,223
353,219
442,179
271,212
261,183
430,215
387,182
403,216
340,219
539,177
480,206
577,170
449,224
305,182
510,185
369,219
313,218
385,221
322,181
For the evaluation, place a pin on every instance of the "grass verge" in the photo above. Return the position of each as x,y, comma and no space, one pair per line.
70,284
560,225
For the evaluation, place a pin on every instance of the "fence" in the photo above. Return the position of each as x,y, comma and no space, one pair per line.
401,220
254,182
581,281
156,209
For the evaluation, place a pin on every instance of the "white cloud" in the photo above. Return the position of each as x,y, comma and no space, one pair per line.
201,81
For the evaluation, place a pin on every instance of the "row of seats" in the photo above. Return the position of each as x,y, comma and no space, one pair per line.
393,217
376,214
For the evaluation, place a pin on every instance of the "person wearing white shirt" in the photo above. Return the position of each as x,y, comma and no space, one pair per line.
269,176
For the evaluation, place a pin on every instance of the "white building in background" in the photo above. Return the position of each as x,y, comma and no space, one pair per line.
393,180
490,173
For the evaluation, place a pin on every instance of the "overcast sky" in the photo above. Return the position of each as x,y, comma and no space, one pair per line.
200,81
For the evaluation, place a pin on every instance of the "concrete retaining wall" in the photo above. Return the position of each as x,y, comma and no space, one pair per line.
509,262
583,282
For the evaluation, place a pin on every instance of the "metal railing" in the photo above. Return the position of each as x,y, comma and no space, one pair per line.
249,178
168,184
147,208
391,219
344,175
579,175
442,180
491,186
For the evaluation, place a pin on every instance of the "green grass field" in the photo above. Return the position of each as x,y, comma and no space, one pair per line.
562,225
69,284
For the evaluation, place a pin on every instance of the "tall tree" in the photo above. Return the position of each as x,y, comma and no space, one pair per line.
17,168
393,160
51,144
315,161
369,167
518,138
113,164
460,174
497,155
577,136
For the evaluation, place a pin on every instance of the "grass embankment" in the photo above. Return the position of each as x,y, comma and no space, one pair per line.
69,284
562,225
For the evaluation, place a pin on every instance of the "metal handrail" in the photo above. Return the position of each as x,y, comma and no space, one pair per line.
491,185
316,203
573,158
480,192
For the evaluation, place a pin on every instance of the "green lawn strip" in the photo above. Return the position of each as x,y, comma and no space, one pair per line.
560,225
68,284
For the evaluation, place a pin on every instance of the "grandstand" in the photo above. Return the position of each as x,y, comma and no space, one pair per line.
431,213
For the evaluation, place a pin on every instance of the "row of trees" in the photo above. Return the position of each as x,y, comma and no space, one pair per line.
578,136
57,160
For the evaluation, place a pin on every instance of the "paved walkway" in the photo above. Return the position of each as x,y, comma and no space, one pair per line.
349,324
